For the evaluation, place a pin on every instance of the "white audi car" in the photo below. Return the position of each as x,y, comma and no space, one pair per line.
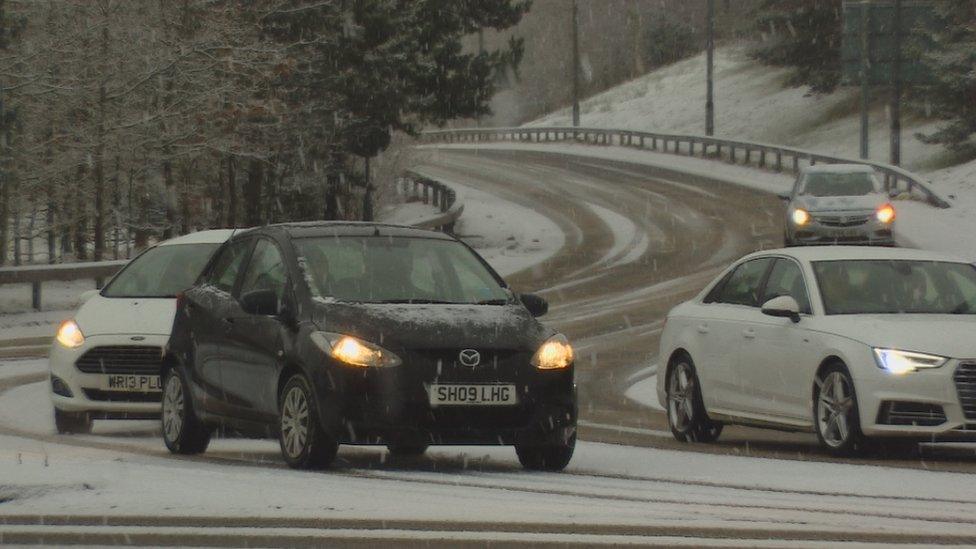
105,360
853,343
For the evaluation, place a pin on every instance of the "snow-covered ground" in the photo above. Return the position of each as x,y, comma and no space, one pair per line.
604,485
951,230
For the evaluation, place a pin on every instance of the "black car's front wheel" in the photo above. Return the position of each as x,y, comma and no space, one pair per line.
305,444
183,432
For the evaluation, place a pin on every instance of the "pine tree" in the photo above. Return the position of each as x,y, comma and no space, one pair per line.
950,57
805,35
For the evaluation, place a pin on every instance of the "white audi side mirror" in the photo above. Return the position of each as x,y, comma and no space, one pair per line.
783,306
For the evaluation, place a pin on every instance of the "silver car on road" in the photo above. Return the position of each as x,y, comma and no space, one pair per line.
839,204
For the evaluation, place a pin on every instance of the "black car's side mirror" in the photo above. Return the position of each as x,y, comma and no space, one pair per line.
260,302
536,305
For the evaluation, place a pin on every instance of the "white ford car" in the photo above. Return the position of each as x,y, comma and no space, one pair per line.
105,361
853,343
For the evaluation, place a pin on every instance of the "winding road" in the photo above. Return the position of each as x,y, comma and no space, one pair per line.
609,296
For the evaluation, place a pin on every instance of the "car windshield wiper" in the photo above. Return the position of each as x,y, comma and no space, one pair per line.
493,302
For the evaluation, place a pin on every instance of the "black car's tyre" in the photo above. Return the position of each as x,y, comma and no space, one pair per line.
305,444
835,412
686,410
72,423
183,432
405,449
546,455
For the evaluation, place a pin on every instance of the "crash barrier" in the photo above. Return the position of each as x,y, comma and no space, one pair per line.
423,188
414,186
747,153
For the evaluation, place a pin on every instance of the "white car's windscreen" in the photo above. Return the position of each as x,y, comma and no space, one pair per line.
839,184
896,286
162,271
396,270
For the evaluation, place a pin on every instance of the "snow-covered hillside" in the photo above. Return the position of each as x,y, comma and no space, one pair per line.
752,104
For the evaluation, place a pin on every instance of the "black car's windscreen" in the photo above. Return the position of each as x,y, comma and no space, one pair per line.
839,184
896,286
162,271
385,269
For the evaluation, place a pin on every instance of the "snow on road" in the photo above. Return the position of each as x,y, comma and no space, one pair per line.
605,484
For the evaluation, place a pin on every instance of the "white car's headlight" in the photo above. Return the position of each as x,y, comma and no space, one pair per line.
69,335
354,351
556,353
903,362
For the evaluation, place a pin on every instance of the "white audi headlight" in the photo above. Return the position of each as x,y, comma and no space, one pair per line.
354,351
902,362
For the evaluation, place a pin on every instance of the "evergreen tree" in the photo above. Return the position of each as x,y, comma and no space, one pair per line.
950,56
805,35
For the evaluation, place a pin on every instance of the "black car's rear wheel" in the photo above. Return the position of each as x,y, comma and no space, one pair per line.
72,423
551,454
686,410
305,444
183,432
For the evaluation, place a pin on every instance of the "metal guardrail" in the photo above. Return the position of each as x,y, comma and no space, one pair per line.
433,192
430,191
761,155
36,274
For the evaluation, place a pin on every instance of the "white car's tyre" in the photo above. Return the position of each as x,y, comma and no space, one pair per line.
687,417
72,423
183,432
836,412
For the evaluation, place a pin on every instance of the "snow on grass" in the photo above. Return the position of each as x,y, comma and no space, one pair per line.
16,368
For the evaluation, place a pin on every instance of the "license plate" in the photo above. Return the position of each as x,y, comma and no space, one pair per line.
131,383
495,394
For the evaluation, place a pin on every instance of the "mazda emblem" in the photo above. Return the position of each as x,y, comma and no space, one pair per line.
469,358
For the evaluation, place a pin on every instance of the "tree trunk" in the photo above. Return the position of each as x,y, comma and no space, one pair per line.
15,213
99,174
4,219
368,195
252,193
185,198
219,193
81,224
231,193
52,235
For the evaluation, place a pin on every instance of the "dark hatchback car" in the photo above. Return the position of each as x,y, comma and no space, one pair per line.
358,333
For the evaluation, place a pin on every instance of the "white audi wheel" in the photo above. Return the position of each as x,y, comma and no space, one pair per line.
836,411
681,395
294,422
174,408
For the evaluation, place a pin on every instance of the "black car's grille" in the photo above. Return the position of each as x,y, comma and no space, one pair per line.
842,220
122,396
122,359
965,378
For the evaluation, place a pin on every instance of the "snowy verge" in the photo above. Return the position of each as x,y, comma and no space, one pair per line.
950,230
510,237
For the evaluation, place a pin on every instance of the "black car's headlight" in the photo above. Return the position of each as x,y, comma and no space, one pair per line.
902,362
354,351
555,354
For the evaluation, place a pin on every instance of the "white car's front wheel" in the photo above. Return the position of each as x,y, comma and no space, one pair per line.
686,411
836,412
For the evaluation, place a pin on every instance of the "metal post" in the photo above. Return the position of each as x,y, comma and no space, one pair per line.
865,69
36,295
576,64
710,70
896,89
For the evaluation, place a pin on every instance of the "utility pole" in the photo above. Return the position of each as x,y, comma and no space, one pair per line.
710,72
576,64
896,89
865,74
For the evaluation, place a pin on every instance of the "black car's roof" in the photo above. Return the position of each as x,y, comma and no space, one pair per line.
306,229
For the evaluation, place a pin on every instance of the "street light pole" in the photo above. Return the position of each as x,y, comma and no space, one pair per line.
576,64
710,71
896,90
